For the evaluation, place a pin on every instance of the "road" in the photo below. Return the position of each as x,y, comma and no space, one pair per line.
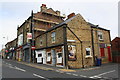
11,70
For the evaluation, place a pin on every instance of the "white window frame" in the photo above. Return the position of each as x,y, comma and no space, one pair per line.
88,49
100,34
61,56
53,35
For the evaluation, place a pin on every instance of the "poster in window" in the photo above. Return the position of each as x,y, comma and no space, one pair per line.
72,52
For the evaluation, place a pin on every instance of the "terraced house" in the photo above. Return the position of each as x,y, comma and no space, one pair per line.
11,49
36,24
73,43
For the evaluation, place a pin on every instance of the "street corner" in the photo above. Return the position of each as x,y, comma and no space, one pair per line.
67,70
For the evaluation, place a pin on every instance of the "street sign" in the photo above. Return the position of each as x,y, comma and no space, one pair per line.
33,47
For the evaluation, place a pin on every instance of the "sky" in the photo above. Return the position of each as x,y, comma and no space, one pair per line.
100,12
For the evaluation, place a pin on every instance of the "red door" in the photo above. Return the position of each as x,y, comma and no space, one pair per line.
109,54
102,52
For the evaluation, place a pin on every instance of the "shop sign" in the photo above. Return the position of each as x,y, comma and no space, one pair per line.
29,35
33,47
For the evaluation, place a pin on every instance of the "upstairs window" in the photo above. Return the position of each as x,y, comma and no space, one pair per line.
53,37
41,42
100,35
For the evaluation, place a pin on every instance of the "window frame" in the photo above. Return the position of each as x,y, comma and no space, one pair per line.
100,34
53,37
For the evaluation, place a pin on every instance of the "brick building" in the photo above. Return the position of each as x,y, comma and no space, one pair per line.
36,24
73,43
116,49
11,49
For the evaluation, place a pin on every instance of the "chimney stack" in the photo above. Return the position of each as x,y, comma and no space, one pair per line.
71,15
43,7
58,13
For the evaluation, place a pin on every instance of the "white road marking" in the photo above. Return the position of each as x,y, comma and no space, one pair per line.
75,74
98,76
68,73
20,69
83,76
38,76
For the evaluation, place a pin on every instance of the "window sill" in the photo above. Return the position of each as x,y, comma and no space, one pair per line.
88,56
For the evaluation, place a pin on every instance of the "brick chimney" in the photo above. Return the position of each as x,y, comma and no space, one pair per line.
71,15
43,7
58,13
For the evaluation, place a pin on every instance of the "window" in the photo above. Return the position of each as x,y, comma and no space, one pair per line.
41,41
59,55
88,52
100,35
72,52
39,55
53,37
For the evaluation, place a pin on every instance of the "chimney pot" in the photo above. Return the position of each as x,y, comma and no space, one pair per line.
43,5
71,15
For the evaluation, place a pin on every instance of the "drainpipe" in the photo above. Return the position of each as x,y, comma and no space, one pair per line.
92,38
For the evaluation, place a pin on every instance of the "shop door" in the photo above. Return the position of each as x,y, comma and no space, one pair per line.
53,57
27,55
109,54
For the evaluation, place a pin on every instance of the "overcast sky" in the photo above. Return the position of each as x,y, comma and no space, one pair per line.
100,12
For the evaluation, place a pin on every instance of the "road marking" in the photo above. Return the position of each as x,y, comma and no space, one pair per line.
20,69
68,73
83,76
38,76
75,74
98,76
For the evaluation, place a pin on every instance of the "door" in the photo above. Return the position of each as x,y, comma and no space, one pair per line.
102,52
109,54
26,55
59,57
39,58
53,57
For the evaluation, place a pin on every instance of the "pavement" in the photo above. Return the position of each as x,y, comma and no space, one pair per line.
109,71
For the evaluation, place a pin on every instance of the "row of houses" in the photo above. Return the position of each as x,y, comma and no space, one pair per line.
45,37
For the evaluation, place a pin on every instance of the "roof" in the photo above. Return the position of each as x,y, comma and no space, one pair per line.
116,38
97,26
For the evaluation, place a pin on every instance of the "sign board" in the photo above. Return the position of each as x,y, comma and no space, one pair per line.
33,47
29,35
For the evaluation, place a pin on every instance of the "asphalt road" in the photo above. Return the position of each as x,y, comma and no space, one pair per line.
12,70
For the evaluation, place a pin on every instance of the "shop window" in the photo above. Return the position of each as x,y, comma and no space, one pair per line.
59,55
100,35
39,55
53,37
